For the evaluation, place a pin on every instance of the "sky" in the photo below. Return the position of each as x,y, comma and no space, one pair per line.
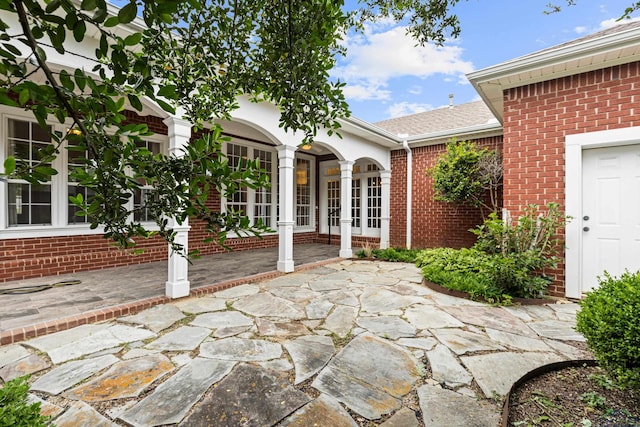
388,76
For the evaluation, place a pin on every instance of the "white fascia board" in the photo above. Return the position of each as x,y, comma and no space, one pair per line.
370,132
470,132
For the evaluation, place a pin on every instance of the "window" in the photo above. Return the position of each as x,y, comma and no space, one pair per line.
28,204
366,198
76,160
374,202
263,196
257,204
303,193
140,211
35,210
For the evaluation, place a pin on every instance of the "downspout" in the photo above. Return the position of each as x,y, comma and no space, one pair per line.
406,147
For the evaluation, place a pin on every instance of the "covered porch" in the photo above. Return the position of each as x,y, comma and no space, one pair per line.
112,292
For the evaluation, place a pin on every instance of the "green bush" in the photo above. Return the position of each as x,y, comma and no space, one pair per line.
14,409
390,254
493,277
609,319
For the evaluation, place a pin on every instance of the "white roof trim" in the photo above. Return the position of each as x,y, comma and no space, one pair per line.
564,60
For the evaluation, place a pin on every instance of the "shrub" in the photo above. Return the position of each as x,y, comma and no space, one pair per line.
609,320
468,175
390,254
14,409
494,277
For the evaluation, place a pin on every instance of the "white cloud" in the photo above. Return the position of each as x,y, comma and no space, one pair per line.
614,21
375,58
366,92
580,30
401,109
415,90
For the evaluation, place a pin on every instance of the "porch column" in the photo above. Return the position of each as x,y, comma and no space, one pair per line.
177,284
286,220
346,175
385,189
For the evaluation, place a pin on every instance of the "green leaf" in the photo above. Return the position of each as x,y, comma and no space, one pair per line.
6,100
133,39
135,102
112,21
79,30
128,13
80,78
66,81
9,165
23,98
88,4
52,6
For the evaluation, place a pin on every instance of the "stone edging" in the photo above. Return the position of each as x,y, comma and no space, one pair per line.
504,420
39,329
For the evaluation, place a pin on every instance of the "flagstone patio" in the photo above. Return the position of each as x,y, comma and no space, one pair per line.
346,344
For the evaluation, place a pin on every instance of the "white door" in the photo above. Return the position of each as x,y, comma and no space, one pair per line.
611,212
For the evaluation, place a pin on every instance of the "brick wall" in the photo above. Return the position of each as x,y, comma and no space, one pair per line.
434,223
537,118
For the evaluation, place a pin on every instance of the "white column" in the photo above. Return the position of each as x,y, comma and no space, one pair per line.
177,284
286,220
385,184
346,177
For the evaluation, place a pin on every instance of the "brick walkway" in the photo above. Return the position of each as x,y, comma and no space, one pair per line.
110,293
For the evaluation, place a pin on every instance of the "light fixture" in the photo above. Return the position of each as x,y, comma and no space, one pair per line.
301,177
75,131
306,147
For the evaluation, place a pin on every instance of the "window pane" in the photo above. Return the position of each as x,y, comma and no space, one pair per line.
40,134
40,214
303,192
41,194
19,149
18,129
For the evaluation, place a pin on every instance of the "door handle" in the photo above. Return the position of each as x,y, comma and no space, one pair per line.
585,229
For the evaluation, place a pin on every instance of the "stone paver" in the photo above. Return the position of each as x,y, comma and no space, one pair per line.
295,351
358,377
171,401
266,305
391,327
248,396
27,365
156,318
80,414
125,379
184,338
71,373
446,369
495,373
441,407
323,411
241,349
309,355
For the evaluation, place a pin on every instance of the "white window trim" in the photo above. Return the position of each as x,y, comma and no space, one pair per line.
574,146
312,188
364,230
59,226
251,192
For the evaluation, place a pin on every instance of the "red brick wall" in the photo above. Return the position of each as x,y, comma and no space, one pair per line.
434,223
537,118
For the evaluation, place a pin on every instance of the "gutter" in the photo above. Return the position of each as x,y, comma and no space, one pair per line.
405,145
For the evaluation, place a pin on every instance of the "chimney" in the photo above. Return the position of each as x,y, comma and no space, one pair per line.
450,100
